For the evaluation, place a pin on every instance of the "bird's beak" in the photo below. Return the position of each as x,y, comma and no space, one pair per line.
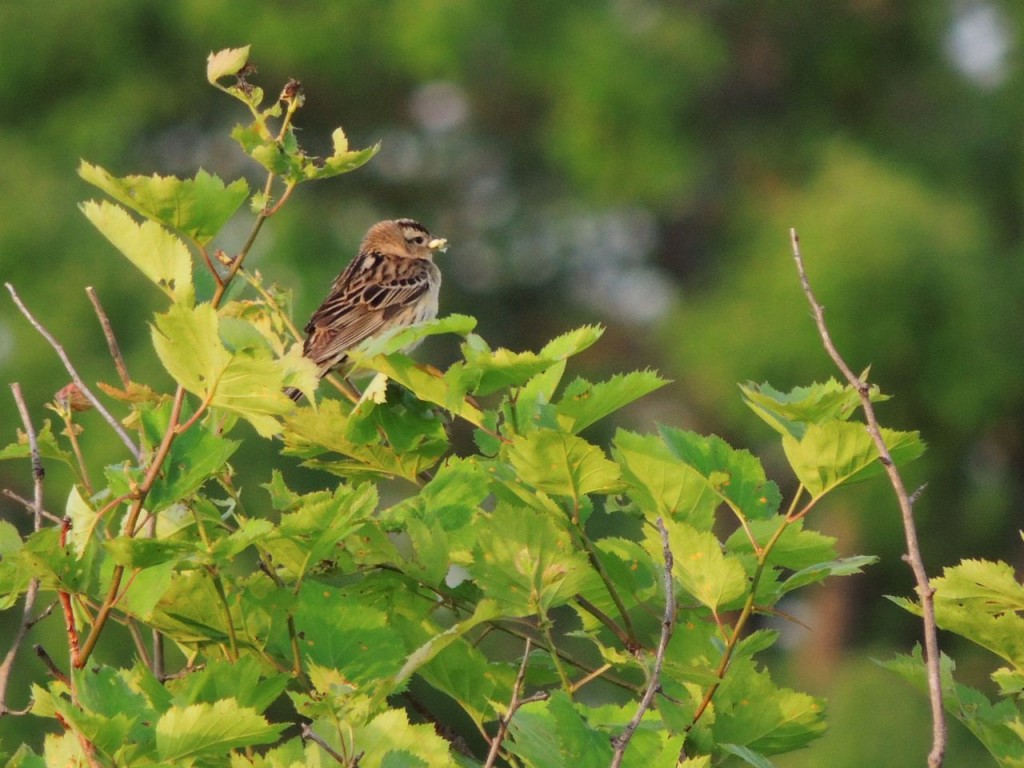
438,244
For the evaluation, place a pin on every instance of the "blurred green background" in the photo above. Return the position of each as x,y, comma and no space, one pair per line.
633,162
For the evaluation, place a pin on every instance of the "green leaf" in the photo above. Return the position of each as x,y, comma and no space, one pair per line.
244,681
982,601
313,433
703,569
399,338
199,731
228,61
553,734
754,713
789,413
735,475
10,539
342,632
47,444
390,741
248,383
138,552
525,562
342,160
584,403
748,756
562,464
997,726
845,566
158,254
795,549
571,343
196,456
197,207
465,674
486,370
837,452
322,519
661,483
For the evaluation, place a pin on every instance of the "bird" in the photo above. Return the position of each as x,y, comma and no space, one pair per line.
392,282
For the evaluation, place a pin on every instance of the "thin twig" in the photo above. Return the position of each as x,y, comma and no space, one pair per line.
924,588
51,665
513,706
311,735
38,473
114,423
139,499
28,504
607,620
667,624
108,332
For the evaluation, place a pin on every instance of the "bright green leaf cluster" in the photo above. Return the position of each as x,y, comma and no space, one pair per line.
531,566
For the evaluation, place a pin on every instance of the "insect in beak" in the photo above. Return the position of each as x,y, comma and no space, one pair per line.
438,244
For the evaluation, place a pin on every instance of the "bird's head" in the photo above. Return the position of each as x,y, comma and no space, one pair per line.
402,237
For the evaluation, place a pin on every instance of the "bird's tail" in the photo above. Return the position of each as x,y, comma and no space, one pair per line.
293,393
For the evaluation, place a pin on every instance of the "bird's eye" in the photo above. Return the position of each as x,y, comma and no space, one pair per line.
418,240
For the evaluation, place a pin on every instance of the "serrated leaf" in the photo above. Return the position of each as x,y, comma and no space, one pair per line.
796,547
789,413
196,456
228,61
139,552
837,452
997,726
751,711
198,207
735,475
243,680
400,338
188,344
845,566
661,483
584,403
562,464
342,160
47,444
982,601
491,370
158,254
702,568
321,520
204,730
313,434
572,343
389,739
526,563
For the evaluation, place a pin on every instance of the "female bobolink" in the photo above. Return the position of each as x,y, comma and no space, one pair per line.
392,282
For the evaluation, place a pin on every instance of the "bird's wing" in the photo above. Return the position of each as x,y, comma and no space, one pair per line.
365,298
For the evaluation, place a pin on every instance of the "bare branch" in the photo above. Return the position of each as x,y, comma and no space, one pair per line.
114,423
906,502
513,707
29,504
108,332
38,473
667,625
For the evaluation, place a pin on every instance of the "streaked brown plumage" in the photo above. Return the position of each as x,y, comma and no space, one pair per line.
392,282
